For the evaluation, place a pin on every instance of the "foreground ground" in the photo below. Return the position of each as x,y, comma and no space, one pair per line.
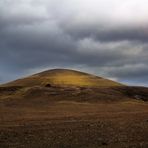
69,124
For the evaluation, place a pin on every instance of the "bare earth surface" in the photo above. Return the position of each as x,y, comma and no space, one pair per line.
67,124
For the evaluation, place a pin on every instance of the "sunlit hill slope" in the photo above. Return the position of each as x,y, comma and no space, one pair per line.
64,84
63,77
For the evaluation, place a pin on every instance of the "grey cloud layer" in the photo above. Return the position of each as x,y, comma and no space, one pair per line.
107,37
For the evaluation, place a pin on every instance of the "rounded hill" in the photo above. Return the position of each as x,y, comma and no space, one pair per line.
63,77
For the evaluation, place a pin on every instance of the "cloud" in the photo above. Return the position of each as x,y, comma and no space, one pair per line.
105,37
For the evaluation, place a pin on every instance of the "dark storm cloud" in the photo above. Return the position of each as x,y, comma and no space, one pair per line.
36,35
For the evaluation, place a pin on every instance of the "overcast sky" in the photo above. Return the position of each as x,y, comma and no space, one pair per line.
104,37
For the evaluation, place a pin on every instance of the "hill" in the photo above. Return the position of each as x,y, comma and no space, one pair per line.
63,77
66,108
64,84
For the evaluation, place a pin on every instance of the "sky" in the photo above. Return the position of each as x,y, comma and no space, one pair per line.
108,38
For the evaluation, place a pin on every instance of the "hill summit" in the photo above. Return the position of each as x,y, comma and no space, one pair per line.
63,77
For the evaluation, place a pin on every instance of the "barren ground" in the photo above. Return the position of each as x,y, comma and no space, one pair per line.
69,124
